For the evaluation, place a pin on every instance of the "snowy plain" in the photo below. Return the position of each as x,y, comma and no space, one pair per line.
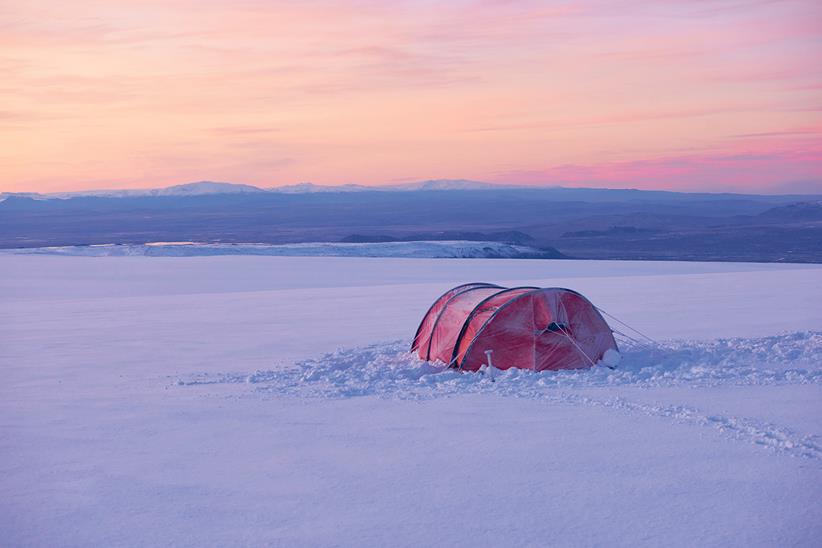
248,401
446,249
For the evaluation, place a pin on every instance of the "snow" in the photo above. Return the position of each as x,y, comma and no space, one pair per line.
187,189
258,400
448,184
209,187
421,249
310,188
611,358
427,185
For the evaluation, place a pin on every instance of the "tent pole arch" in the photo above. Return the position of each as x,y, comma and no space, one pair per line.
474,313
438,299
445,306
485,324
515,299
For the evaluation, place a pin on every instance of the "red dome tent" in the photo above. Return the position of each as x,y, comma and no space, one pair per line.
524,327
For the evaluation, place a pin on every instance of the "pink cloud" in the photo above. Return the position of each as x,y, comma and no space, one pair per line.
372,91
751,171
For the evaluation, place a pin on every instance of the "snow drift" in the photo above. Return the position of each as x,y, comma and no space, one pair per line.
390,371
419,250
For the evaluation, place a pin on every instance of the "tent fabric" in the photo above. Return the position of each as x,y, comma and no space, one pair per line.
422,338
524,327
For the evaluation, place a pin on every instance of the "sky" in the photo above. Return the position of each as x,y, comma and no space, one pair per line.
719,95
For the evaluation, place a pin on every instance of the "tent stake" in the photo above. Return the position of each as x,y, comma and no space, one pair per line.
489,365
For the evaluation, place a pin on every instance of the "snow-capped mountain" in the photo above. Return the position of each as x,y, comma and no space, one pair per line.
430,184
209,187
206,187
310,188
188,189
446,184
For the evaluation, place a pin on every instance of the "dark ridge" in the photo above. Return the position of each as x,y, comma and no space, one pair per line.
612,231
508,237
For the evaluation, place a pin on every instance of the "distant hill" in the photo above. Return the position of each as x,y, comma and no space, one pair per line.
578,222
307,188
415,250
433,184
188,189
798,212
203,188
447,184
508,237
210,187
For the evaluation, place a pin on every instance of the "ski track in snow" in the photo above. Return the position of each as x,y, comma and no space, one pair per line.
777,438
391,371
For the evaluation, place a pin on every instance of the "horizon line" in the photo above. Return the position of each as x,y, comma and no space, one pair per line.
408,186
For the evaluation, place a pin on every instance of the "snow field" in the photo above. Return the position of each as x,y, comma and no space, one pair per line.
434,249
247,401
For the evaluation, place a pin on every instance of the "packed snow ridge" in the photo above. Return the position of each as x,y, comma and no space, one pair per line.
390,371
422,249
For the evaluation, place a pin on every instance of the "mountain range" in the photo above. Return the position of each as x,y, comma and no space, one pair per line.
200,188
585,223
